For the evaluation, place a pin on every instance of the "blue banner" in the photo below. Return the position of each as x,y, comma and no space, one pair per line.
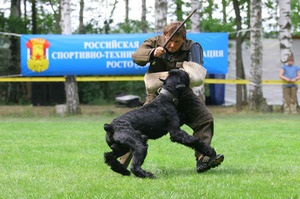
109,54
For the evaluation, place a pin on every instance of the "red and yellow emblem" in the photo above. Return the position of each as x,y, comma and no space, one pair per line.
37,54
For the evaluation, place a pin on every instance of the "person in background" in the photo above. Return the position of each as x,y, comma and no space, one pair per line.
290,74
196,114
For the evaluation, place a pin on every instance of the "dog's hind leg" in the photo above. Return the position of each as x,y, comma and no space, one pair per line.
139,154
110,159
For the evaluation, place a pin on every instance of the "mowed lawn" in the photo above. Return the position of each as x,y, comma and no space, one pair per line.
62,157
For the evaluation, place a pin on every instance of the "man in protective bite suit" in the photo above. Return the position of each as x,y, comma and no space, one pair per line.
193,111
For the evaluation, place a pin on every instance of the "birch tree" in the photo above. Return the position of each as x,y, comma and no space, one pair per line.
256,100
195,27
285,35
195,18
71,89
161,7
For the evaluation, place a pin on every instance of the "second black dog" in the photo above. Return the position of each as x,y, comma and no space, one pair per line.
152,121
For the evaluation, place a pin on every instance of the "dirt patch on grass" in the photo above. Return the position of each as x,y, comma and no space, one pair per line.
51,111
86,110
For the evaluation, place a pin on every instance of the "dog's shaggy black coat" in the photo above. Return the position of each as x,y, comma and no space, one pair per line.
151,121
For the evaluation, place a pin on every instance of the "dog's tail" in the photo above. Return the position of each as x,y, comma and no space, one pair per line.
114,164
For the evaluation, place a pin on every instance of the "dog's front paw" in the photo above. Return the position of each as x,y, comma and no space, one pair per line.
142,173
150,175
125,173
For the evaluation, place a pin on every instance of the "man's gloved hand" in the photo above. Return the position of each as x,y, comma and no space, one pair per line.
158,52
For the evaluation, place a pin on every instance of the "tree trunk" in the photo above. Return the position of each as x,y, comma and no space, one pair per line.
15,8
71,88
34,20
143,19
161,7
126,11
256,99
108,21
72,95
81,26
195,19
25,9
285,36
239,58
224,13
14,91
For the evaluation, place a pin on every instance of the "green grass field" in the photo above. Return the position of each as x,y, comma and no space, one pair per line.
62,157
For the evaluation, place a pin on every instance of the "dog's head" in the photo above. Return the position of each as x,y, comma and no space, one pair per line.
176,80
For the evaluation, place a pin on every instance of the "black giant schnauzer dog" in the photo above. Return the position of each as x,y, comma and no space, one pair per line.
151,121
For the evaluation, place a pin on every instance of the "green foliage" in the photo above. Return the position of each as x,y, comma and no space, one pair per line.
130,26
178,10
90,91
62,157
3,22
12,92
13,24
47,24
295,16
91,28
216,25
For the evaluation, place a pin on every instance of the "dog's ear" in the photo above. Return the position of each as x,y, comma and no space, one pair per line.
173,71
185,78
